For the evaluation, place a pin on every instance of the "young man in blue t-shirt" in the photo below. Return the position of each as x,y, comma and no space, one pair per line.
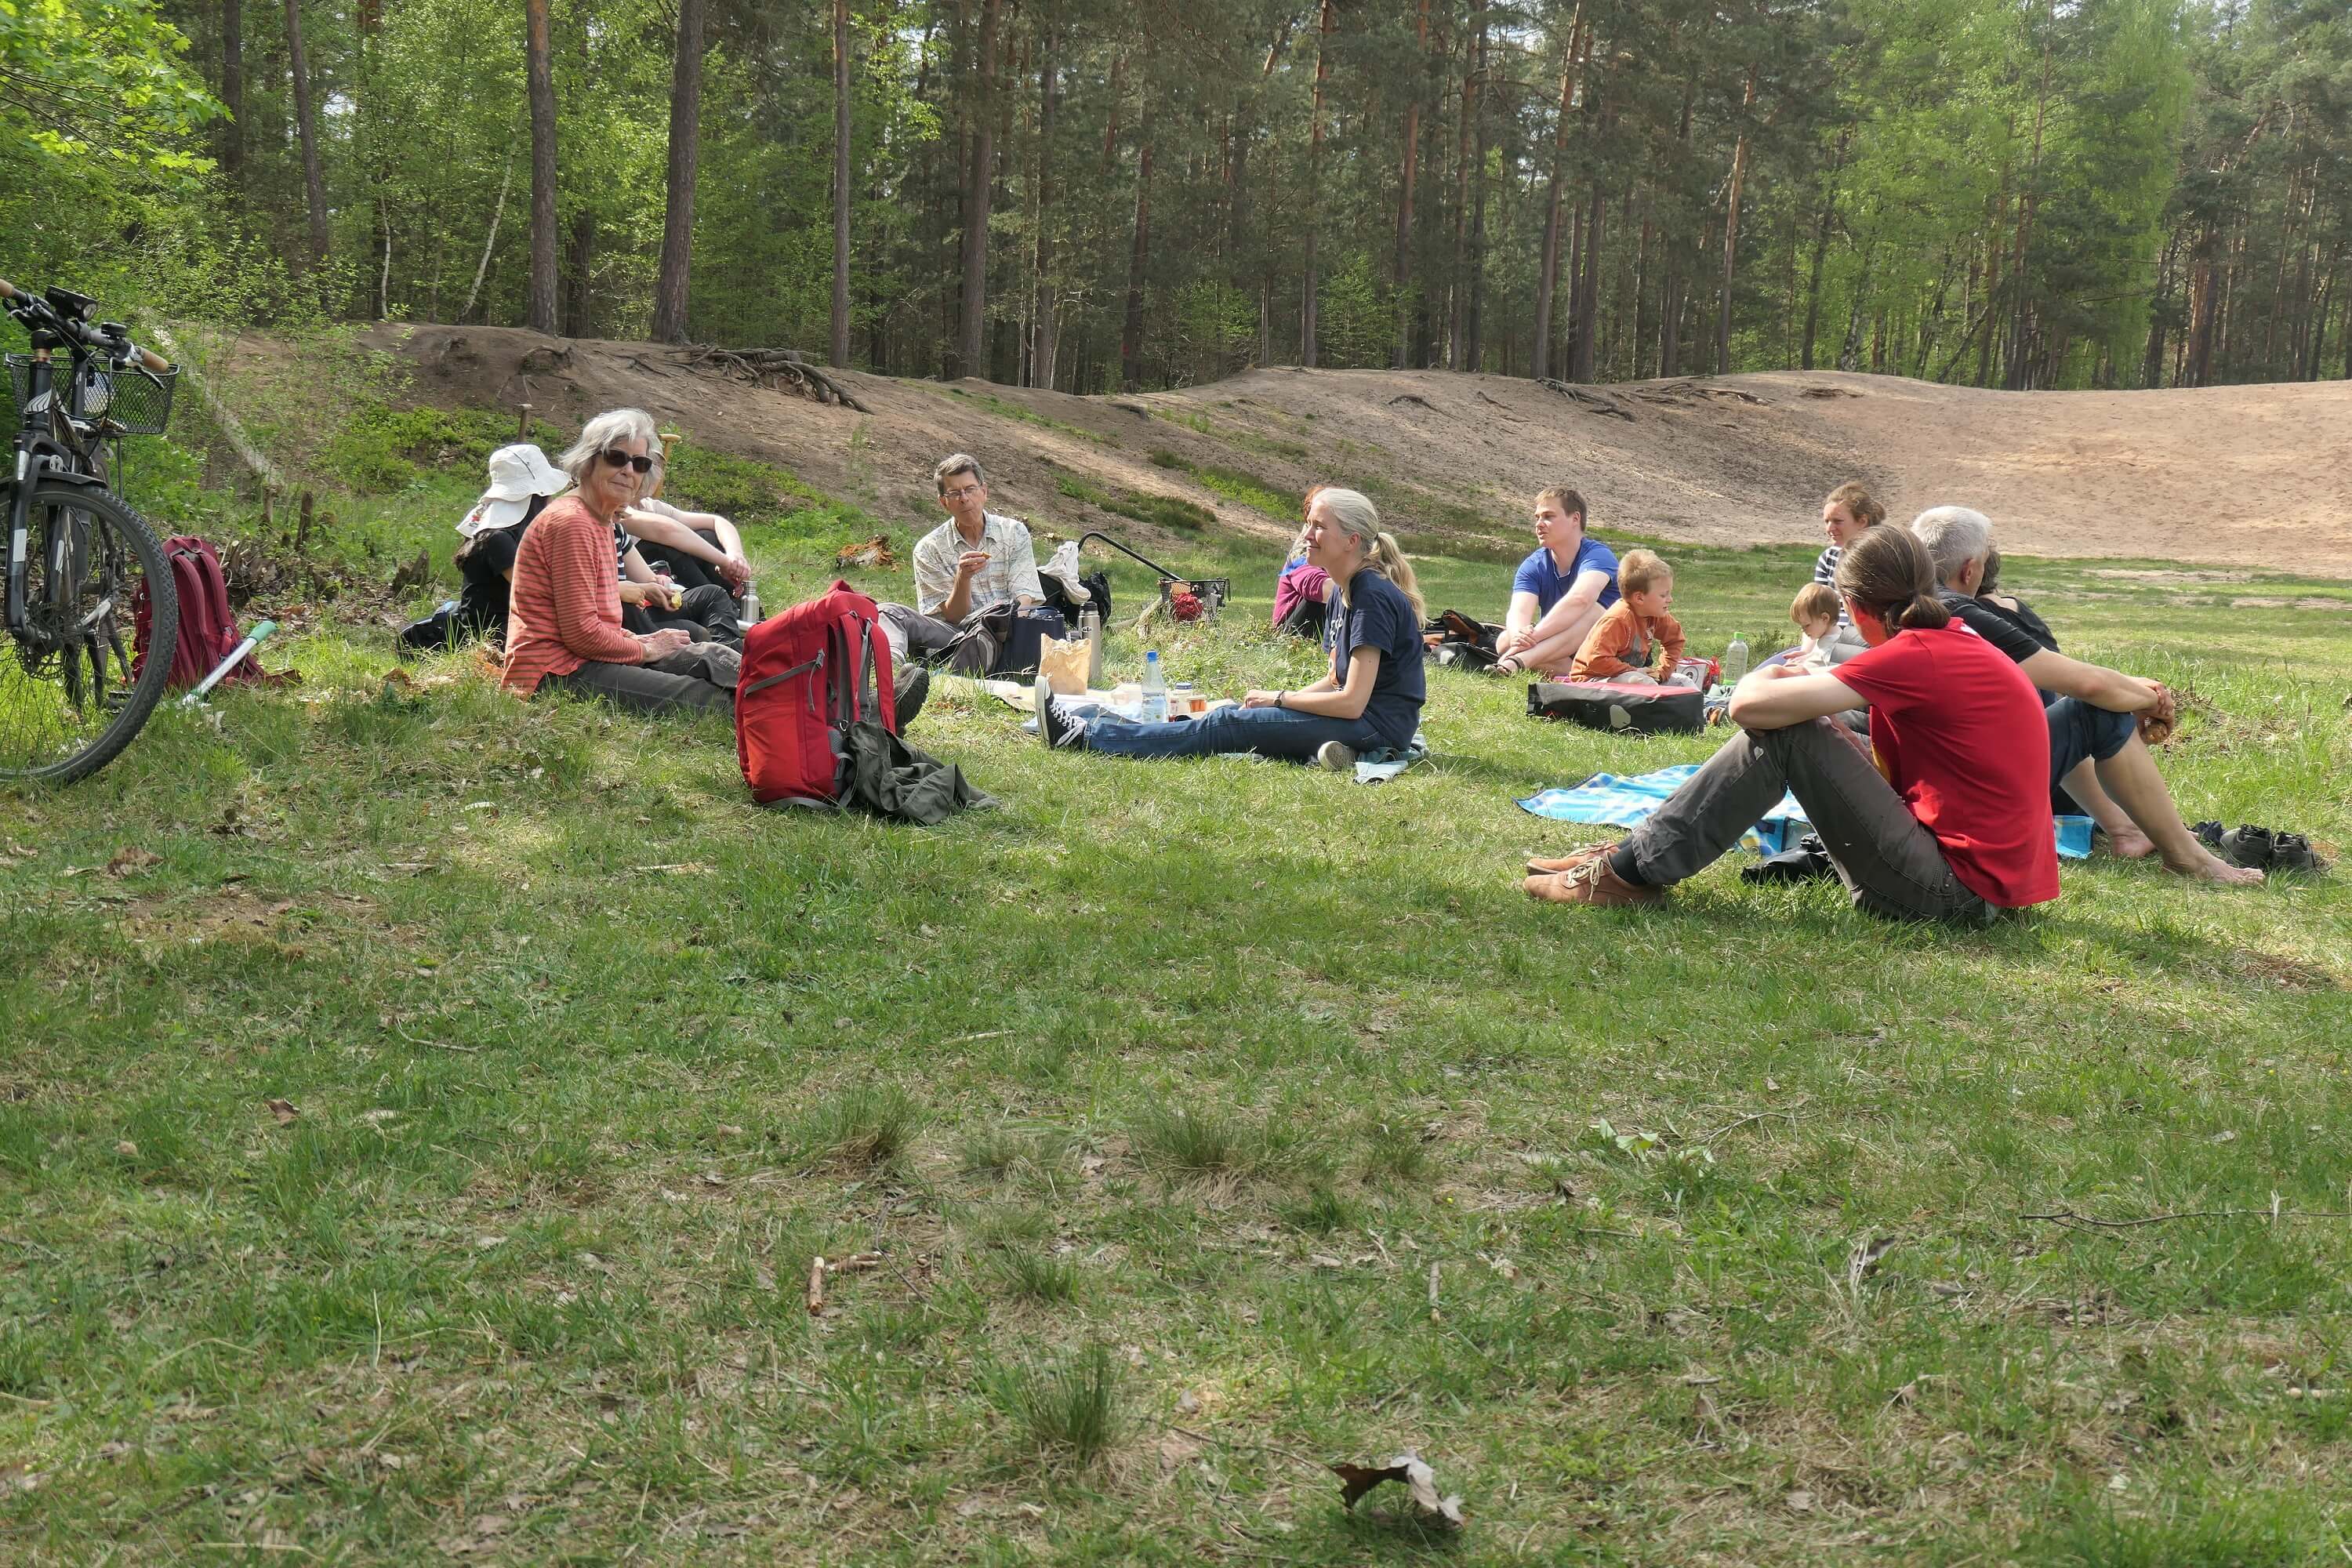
1559,592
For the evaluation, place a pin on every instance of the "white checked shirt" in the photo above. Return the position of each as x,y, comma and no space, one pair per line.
1010,572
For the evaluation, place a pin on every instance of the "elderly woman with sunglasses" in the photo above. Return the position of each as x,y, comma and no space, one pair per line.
564,629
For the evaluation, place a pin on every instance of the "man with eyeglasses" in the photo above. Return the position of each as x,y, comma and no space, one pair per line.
975,560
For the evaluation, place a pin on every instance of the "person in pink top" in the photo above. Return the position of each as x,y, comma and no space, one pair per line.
563,624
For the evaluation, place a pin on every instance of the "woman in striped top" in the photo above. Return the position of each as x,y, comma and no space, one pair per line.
1847,511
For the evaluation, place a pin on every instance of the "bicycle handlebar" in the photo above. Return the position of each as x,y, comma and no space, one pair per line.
81,332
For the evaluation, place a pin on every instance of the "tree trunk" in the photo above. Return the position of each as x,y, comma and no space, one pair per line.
1130,337
1641,292
1820,253
1670,325
306,121
1308,286
685,147
1472,323
1045,344
839,344
1548,272
2151,363
980,184
541,71
1731,232
1464,174
506,177
232,131
2021,307
1583,357
1402,351
580,269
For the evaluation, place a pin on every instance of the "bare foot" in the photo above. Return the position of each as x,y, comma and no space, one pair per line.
2212,868
2131,843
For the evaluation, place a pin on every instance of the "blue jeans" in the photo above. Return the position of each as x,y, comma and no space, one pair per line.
2078,730
1269,731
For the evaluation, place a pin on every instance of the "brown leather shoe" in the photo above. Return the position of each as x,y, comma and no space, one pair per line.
1570,861
1595,882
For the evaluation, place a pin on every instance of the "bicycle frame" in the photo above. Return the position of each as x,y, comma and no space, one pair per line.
48,446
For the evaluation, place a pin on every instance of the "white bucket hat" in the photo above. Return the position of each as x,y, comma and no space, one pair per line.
517,474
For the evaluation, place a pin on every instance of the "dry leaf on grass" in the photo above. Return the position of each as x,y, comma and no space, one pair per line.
874,553
1862,1261
1419,1480
1176,1450
130,859
284,1110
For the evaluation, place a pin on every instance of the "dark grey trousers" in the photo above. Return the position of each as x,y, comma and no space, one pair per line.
1891,866
699,677
915,637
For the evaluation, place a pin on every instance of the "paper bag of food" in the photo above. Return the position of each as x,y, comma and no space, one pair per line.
1063,665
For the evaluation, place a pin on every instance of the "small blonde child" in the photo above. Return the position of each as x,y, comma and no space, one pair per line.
1619,645
1815,613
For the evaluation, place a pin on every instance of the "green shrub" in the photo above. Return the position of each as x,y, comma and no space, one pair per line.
1038,1276
870,1125
381,448
738,489
1070,1405
1234,485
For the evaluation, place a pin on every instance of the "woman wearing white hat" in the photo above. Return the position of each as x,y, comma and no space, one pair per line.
521,481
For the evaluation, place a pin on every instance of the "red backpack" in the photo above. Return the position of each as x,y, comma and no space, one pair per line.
208,631
808,674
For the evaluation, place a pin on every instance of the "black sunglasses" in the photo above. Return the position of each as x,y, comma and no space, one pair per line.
642,463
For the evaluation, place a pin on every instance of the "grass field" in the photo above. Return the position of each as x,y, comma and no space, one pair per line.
1212,1121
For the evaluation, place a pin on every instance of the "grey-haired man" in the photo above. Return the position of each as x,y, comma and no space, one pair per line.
973,561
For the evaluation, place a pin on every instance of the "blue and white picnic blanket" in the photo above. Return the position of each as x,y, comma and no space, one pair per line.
1628,802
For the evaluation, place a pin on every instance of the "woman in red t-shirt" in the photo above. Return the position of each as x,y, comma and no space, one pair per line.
1950,822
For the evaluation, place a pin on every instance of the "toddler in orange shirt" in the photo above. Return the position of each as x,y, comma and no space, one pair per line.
1621,643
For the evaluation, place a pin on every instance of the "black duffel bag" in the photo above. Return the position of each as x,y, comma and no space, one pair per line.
1630,706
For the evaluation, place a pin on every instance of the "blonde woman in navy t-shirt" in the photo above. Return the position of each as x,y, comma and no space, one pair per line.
1368,699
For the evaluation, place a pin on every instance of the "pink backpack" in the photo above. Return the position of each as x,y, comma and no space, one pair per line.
208,631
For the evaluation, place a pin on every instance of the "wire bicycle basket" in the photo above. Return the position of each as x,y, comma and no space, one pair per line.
109,401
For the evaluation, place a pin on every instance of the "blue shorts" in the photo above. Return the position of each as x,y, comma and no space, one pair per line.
2080,732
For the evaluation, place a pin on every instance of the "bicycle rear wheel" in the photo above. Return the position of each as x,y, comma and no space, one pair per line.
73,692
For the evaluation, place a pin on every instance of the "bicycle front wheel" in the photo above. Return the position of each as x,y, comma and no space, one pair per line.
74,689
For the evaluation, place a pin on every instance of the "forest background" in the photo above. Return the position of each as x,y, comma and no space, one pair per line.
1085,195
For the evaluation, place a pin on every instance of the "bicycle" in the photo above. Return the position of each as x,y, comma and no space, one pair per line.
85,572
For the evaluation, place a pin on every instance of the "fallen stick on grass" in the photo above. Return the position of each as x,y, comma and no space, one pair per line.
2088,1222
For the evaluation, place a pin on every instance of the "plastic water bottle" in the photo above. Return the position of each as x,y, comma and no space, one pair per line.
1091,627
1155,689
1735,660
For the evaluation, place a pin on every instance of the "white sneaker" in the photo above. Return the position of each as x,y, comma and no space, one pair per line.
1338,758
